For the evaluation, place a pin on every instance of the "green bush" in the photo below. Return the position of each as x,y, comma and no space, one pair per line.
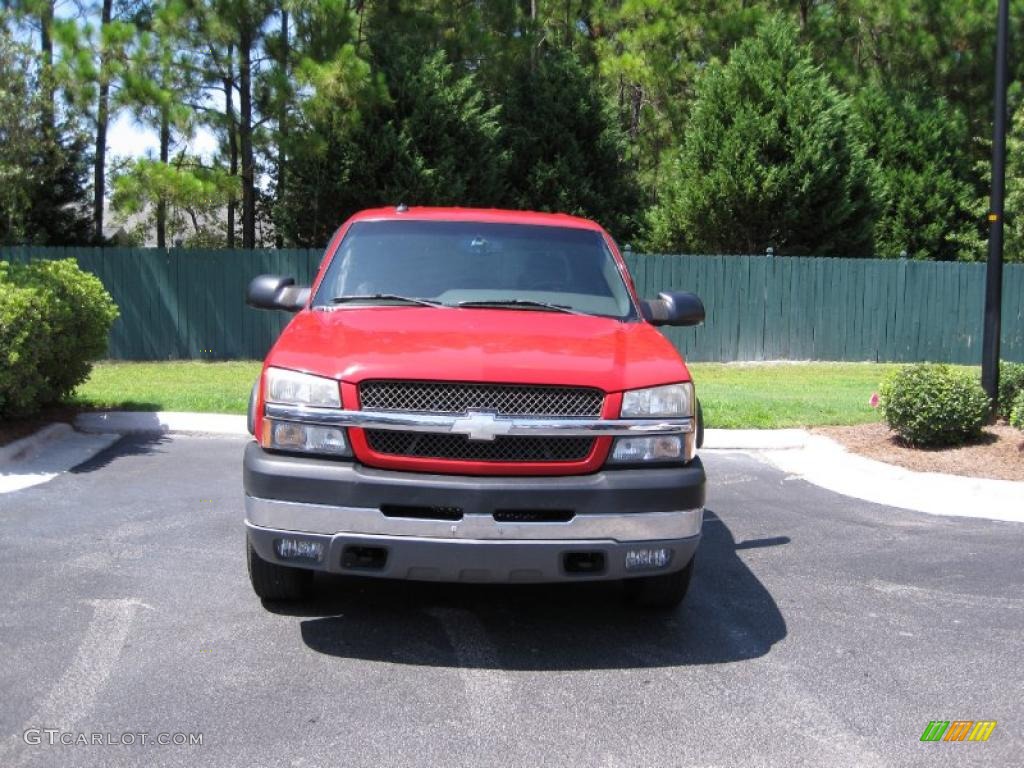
934,405
54,321
22,314
1017,411
1011,383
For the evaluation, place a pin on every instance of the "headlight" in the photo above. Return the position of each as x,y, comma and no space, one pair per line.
669,400
294,388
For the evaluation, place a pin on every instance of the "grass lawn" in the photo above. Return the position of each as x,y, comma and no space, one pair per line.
774,395
734,395
169,386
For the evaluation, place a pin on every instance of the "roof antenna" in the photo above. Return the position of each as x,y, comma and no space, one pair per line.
401,208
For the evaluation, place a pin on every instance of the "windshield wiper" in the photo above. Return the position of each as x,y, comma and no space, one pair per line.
521,303
387,297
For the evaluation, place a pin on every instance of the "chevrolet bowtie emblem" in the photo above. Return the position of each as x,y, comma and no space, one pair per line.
481,425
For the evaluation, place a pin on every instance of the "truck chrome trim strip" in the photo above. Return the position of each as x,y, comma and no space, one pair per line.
325,519
480,425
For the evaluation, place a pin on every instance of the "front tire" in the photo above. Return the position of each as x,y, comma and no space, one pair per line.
271,581
700,425
661,593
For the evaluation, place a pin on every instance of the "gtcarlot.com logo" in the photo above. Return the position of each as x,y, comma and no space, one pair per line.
958,730
54,736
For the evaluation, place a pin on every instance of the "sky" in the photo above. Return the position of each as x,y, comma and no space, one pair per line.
125,138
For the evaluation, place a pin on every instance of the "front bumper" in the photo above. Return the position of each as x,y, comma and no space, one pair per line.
339,505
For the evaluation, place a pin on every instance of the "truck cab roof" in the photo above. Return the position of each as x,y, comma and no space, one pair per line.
488,215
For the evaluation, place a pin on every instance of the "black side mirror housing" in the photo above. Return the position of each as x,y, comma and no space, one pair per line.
674,308
276,292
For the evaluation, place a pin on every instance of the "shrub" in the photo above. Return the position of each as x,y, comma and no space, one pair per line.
54,321
1011,383
22,314
1017,411
934,405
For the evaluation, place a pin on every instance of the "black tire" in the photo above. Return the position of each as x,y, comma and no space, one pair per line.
271,581
659,592
700,426
250,419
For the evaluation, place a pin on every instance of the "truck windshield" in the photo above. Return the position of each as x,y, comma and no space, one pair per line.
473,264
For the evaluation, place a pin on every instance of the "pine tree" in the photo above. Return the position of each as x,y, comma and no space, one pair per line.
43,165
769,159
566,150
161,86
975,247
919,149
92,60
428,139
235,31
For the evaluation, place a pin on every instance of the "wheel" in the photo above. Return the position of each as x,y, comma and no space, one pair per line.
659,592
271,581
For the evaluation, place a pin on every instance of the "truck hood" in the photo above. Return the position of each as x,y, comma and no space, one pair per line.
498,345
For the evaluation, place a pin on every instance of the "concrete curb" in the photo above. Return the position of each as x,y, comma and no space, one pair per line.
827,464
29,446
48,452
755,439
161,422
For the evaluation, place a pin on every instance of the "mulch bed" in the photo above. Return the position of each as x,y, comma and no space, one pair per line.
998,454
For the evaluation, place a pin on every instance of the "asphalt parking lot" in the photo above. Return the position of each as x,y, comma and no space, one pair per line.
819,630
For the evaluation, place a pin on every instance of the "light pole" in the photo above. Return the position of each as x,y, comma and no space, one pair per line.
994,269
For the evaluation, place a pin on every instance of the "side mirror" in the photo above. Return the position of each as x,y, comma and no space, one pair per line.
276,292
674,308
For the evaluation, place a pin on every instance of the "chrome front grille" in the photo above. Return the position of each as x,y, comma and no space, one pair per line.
459,398
455,397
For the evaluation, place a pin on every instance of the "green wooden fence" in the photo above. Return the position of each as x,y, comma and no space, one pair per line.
189,304
782,308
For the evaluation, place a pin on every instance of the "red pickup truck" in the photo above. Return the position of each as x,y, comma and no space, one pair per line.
474,395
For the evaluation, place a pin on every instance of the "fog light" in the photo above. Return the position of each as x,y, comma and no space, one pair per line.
299,549
648,559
